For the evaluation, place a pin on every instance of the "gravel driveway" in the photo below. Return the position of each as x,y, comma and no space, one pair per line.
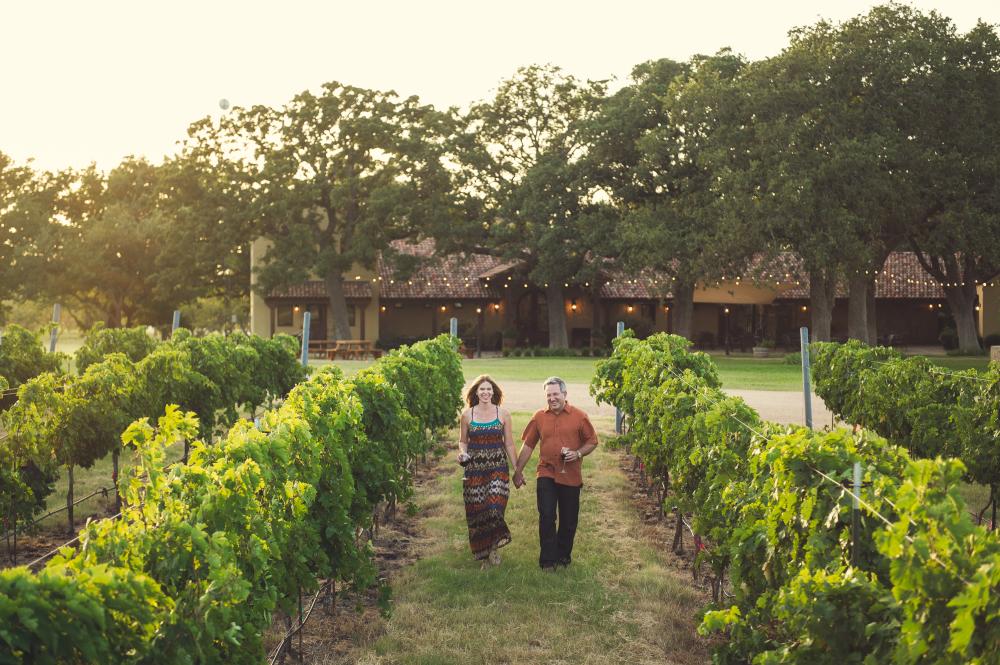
775,405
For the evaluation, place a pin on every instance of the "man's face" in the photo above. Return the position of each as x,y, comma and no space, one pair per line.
555,397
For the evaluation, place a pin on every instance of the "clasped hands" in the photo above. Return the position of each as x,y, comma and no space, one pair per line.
519,480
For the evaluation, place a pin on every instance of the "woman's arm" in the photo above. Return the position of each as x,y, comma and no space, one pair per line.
508,438
463,435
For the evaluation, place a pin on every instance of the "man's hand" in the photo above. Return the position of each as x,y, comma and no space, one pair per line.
519,481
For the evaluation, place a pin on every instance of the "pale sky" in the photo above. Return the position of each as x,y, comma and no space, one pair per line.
95,81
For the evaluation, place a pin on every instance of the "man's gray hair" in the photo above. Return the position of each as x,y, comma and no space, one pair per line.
555,381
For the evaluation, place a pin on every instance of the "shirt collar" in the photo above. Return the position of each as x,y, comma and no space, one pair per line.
566,409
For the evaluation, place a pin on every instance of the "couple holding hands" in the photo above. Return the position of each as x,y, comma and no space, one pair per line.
486,445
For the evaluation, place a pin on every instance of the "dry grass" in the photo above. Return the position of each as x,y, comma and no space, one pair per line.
620,602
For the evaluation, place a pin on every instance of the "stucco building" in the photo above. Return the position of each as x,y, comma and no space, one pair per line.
496,306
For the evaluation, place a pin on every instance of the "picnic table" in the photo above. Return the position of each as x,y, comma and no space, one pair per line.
353,349
319,347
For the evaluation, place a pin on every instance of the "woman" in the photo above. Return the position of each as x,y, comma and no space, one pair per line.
486,446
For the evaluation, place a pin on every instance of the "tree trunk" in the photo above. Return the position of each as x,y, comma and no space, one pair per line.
338,304
857,307
962,301
113,315
822,295
557,316
872,314
69,497
683,310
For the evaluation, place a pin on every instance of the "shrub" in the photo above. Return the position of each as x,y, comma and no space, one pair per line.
100,342
22,356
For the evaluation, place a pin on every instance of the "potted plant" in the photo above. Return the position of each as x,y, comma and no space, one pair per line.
763,348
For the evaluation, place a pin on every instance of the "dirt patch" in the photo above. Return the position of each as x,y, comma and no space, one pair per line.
43,539
659,527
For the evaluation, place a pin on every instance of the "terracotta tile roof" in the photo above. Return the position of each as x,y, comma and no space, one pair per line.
476,277
902,276
316,289
648,285
446,278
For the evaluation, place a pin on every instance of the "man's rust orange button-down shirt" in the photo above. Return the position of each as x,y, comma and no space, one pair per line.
570,428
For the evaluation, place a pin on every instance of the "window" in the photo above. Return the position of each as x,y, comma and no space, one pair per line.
284,315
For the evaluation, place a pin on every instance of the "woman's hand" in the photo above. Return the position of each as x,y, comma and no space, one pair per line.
464,458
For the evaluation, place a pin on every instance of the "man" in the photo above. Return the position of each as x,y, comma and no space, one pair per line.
567,436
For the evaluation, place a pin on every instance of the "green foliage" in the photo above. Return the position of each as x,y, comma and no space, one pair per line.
59,421
330,178
100,342
22,356
928,410
113,617
945,571
772,502
205,552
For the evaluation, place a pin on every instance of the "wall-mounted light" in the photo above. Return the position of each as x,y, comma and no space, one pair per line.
931,306
297,308
479,310
725,311
977,308
443,308
572,305
630,309
496,307
804,308
666,308
382,308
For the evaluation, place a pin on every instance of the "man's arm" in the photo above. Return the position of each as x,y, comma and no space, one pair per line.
589,437
529,437
522,460
580,452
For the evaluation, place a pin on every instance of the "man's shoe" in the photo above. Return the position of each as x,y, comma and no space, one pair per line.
549,568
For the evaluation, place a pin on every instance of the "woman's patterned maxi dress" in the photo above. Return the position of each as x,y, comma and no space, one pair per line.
485,488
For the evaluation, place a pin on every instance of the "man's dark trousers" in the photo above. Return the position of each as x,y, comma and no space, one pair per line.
562,500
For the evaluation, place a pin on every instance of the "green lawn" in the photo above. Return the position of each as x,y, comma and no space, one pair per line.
619,602
764,374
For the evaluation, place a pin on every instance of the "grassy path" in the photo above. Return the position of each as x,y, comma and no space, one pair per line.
619,602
